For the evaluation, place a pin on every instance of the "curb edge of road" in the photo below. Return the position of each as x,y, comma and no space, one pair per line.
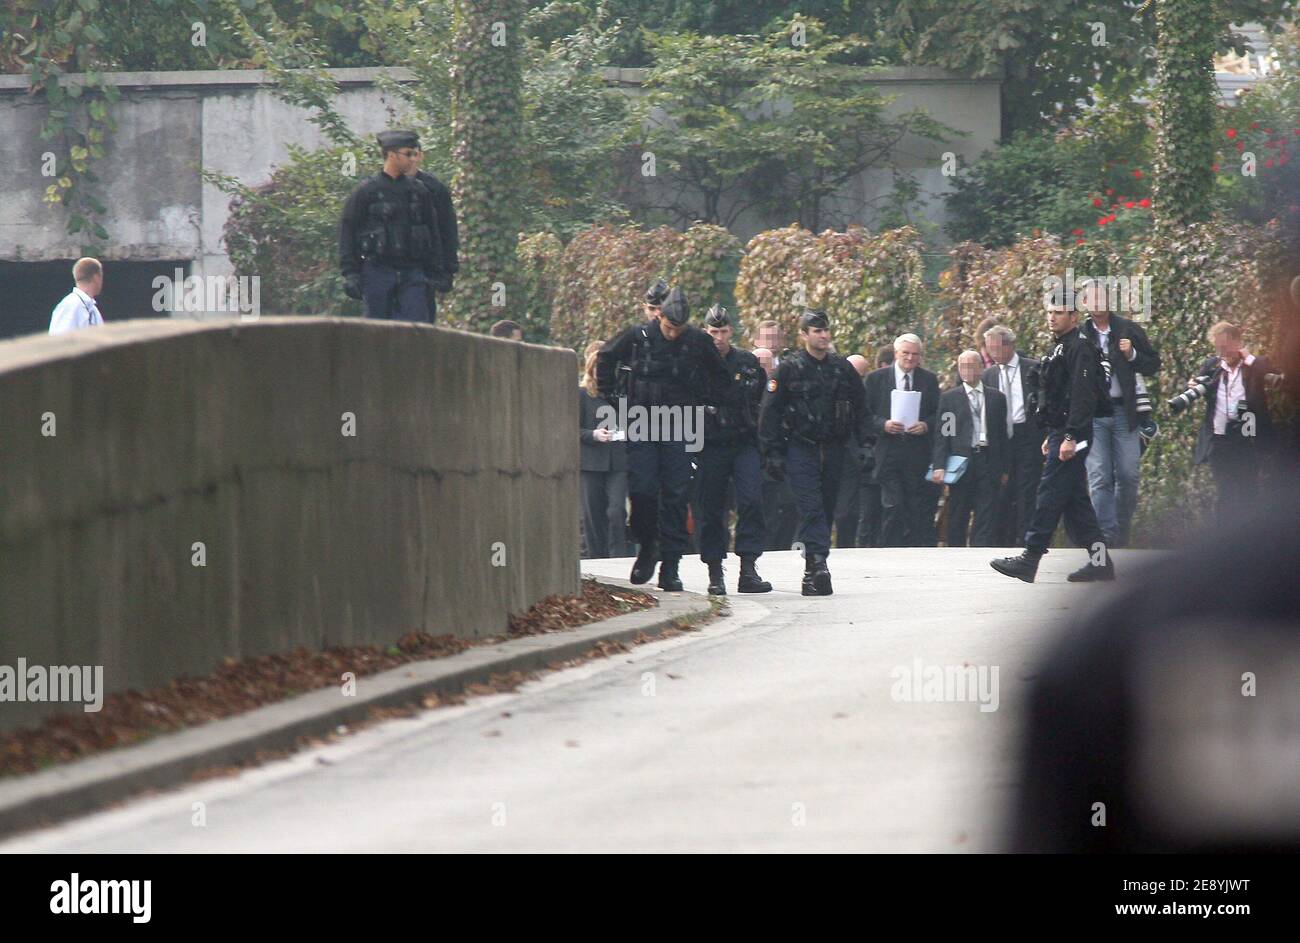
41,799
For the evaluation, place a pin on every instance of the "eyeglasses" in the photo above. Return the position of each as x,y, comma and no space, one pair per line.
407,152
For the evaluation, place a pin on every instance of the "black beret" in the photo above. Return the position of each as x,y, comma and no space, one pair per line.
656,293
390,139
812,317
717,317
675,307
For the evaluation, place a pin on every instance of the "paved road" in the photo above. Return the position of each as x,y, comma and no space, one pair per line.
771,730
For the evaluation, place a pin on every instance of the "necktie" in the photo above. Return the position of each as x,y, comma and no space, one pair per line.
975,414
907,382
1006,391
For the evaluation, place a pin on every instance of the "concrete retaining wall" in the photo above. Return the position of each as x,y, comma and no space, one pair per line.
169,433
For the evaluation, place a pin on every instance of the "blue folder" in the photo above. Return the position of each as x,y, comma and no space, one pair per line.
953,472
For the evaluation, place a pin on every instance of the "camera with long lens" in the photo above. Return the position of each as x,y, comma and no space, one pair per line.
1185,399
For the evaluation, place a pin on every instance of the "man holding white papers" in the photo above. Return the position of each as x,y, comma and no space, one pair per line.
903,427
1072,388
973,426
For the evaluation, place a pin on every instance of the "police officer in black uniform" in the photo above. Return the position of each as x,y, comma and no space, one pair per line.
730,453
389,247
654,298
1073,387
815,408
448,234
665,363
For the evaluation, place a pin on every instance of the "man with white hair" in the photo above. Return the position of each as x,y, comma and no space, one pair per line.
972,425
902,453
78,308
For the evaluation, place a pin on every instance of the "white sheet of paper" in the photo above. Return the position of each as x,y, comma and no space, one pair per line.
1080,446
905,407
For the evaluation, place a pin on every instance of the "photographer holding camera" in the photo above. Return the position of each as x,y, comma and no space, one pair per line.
1236,436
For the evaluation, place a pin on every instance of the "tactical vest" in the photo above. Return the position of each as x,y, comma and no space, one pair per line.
819,398
736,416
397,230
664,374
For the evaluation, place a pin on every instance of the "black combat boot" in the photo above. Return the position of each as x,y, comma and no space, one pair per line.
717,579
1023,567
821,575
668,579
816,576
749,578
1091,573
644,567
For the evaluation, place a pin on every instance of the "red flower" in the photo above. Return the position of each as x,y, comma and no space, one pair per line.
1241,146
1076,232
1232,133
1112,192
1129,205
1079,242
1137,175
1096,201
1103,221
1254,125
1145,202
1269,162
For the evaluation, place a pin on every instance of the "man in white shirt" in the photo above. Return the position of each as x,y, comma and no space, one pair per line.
1013,375
972,424
1236,436
78,308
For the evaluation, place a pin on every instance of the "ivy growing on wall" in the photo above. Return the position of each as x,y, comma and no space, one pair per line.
487,128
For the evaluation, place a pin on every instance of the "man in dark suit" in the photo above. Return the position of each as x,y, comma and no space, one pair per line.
907,497
972,424
1014,375
1114,458
1236,435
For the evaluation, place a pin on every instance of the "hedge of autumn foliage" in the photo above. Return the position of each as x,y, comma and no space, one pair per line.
1204,273
869,284
605,270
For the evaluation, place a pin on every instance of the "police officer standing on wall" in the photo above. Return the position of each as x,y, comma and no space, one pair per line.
815,408
389,248
667,363
1073,388
730,453
448,233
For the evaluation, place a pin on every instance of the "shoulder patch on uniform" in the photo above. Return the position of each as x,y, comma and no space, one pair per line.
771,385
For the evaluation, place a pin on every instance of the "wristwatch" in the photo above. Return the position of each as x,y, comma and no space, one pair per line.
1068,437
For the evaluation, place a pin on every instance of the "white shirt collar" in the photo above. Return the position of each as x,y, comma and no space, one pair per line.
899,373
84,297
1014,362
972,388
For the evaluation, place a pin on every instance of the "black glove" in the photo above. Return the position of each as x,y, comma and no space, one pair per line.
352,286
774,465
442,283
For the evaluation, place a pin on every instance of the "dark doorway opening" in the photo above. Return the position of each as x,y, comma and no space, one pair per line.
30,290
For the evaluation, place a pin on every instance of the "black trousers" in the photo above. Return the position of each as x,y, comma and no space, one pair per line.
975,492
736,463
815,472
907,502
848,503
1015,500
1063,491
1234,463
869,501
658,483
780,514
604,513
